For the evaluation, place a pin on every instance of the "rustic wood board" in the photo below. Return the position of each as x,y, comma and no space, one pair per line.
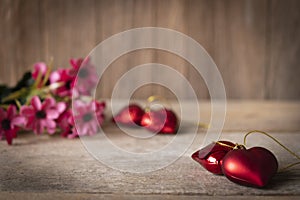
281,79
81,196
256,41
43,167
55,165
262,115
241,115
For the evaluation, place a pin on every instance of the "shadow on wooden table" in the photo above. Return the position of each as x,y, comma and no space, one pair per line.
284,178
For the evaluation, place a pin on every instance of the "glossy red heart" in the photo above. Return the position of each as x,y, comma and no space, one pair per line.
130,116
160,121
252,167
211,156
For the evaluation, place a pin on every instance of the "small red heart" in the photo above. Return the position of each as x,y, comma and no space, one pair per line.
129,116
252,167
211,156
160,121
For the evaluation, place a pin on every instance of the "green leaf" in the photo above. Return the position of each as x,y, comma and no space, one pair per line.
18,103
4,91
5,106
15,95
37,81
26,81
46,77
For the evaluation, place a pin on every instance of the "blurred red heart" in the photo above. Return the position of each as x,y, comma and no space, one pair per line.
211,156
129,116
160,121
252,167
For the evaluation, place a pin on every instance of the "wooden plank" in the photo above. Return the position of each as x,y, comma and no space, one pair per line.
144,15
83,196
283,73
68,29
199,22
245,115
49,165
112,17
261,115
240,46
172,15
118,68
254,43
9,35
127,15
55,165
30,47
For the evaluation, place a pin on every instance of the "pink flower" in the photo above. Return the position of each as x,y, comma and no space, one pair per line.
66,123
39,68
82,72
76,63
42,115
9,122
87,118
63,75
86,76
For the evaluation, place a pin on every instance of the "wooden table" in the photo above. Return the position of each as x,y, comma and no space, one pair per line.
49,167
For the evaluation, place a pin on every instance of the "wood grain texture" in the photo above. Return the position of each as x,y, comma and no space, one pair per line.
254,43
284,70
172,14
242,115
125,15
45,167
88,196
200,27
68,29
112,17
9,35
239,46
43,164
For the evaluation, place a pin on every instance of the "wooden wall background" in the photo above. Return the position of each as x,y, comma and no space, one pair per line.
255,43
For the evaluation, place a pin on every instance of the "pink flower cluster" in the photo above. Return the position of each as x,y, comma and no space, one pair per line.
54,112
80,79
10,122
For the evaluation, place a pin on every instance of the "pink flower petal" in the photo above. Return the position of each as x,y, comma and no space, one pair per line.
85,130
11,111
48,103
39,127
8,137
36,103
49,123
30,122
51,130
54,77
27,111
39,68
73,135
76,63
61,107
94,127
3,114
52,114
81,129
14,132
19,121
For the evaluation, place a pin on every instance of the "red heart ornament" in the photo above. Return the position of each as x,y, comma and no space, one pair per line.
252,167
211,156
129,116
160,121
